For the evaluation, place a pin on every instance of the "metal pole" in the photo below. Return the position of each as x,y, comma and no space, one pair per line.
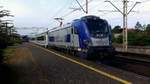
86,6
125,19
46,38
126,25
125,29
60,20
123,25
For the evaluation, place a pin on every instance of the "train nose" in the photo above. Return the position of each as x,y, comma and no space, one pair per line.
100,41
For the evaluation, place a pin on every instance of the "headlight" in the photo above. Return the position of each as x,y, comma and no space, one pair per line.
87,42
79,49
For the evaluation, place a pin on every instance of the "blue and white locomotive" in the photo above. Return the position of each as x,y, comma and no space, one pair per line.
88,37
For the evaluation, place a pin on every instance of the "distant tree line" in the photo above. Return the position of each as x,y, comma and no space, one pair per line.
8,35
138,36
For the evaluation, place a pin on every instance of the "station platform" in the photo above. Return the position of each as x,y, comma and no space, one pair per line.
38,65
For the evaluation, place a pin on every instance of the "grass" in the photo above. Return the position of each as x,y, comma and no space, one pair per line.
7,74
8,53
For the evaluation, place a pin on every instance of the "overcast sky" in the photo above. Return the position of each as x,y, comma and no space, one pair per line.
41,13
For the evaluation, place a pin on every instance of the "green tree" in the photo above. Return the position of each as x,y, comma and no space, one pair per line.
144,27
117,29
138,26
148,28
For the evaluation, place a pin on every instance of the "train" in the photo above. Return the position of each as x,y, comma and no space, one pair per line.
88,37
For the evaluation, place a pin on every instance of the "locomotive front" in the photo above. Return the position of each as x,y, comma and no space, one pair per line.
100,37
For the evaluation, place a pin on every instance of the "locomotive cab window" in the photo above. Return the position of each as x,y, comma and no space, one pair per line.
96,27
74,31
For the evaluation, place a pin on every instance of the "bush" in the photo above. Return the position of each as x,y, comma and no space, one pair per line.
135,38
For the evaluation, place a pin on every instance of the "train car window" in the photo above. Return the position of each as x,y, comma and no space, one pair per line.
41,38
68,38
32,38
75,31
71,30
51,39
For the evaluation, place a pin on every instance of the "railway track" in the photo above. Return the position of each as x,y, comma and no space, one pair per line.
127,61
134,56
132,62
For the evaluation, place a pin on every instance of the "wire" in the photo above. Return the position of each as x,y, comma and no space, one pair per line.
81,6
145,1
69,13
61,9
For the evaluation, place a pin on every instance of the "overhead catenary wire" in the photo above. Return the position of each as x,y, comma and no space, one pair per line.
81,6
64,7
145,1
69,13
125,13
72,11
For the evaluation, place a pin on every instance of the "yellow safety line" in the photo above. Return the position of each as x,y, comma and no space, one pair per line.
89,67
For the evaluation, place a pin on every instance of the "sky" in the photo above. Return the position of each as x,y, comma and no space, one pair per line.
40,14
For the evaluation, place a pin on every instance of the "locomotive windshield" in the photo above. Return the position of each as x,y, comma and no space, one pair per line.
97,27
